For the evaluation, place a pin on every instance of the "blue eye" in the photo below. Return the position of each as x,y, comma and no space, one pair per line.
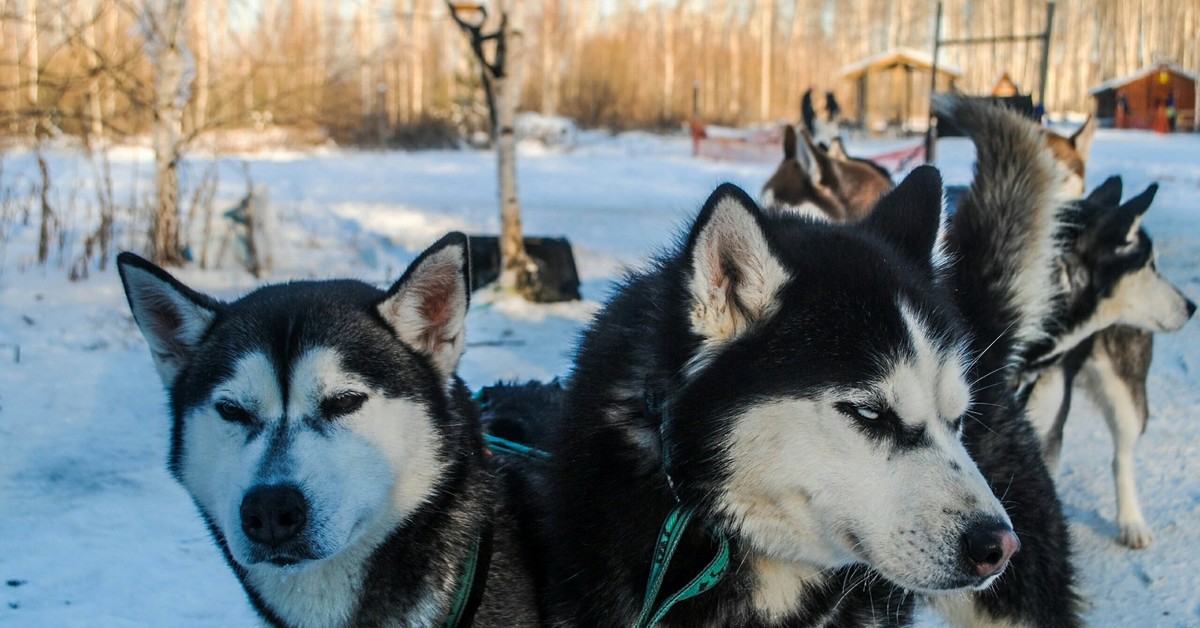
866,413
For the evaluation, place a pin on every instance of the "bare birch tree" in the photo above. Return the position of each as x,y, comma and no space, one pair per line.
163,25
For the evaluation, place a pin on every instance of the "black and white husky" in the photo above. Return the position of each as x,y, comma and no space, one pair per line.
1111,283
334,454
814,395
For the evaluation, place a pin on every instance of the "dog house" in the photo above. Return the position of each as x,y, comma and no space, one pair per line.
892,89
1144,99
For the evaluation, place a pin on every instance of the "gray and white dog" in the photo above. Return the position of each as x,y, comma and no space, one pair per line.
1100,335
335,455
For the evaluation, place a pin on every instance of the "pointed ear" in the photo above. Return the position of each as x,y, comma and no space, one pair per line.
837,150
732,274
789,142
1081,140
910,215
172,317
1107,194
810,158
427,307
1129,215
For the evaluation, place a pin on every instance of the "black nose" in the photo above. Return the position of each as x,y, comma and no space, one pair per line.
273,515
1191,307
989,545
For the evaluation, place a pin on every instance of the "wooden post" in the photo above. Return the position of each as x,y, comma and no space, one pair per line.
1045,55
931,132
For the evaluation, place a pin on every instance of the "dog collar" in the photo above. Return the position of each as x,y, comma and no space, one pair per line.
472,581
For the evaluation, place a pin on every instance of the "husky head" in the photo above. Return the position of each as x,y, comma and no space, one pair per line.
1073,153
820,412
1110,275
310,418
823,183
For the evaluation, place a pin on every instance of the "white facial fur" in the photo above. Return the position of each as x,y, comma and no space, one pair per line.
1143,299
1147,301
807,486
370,470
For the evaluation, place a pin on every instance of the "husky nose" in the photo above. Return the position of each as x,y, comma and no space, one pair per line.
1191,308
989,546
273,515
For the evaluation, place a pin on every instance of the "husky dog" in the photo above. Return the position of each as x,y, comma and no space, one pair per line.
1073,151
331,449
810,392
1112,287
823,182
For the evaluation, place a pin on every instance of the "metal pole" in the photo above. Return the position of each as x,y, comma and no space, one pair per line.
931,132
1045,55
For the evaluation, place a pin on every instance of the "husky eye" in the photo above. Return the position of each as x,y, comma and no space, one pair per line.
343,403
857,411
232,412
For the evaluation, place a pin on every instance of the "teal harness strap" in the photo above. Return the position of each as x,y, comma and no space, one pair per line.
505,446
668,541
465,582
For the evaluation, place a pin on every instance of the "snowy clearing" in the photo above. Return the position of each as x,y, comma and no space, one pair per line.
93,531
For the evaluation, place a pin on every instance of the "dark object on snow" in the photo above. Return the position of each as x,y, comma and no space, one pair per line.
556,266
519,412
1022,104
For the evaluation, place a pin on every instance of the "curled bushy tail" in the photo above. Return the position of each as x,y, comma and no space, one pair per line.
1003,238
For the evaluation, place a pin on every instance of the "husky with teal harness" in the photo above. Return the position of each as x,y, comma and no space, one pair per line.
787,422
337,458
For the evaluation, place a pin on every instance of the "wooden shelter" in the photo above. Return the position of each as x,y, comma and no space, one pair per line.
1146,95
892,88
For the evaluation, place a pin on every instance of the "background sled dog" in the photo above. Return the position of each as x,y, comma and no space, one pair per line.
811,393
822,182
1113,285
334,454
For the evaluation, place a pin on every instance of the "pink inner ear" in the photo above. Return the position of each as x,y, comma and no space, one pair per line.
437,305
166,323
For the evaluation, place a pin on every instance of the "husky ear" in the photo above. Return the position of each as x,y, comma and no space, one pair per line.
1107,194
732,274
789,142
837,150
1129,215
909,216
427,307
1081,140
810,157
172,317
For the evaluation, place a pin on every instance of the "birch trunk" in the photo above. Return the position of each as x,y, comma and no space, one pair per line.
516,274
167,58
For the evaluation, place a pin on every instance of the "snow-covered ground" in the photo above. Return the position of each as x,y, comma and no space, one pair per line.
93,531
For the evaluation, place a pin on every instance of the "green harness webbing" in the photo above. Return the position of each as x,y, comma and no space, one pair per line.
668,541
465,582
669,538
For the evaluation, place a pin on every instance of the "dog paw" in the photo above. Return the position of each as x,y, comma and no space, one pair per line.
1135,534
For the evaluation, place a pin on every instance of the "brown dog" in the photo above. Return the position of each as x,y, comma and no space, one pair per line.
824,183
